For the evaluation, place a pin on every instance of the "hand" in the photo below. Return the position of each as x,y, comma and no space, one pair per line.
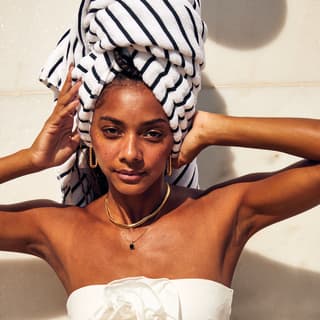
56,141
194,141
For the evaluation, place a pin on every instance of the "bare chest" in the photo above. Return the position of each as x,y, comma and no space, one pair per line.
174,247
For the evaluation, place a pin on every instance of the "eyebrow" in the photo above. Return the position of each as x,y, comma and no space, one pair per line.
147,123
115,121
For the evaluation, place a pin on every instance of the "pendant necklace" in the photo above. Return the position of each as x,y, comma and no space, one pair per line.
140,222
133,241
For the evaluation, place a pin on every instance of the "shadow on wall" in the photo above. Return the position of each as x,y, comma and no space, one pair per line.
266,290
215,163
244,24
29,290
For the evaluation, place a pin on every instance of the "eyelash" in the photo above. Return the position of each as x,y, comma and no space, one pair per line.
154,135
151,135
111,132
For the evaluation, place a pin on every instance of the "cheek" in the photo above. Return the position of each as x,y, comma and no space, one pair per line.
157,158
102,150
104,153
161,154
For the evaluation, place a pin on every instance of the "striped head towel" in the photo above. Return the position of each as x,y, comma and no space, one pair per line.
164,39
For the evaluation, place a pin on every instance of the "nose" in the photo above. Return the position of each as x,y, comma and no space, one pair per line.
131,151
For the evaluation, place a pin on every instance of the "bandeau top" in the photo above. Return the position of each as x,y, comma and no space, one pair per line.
140,298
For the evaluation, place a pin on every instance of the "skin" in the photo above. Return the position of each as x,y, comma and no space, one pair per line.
132,145
132,141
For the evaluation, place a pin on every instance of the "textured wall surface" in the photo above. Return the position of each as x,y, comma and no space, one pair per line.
262,60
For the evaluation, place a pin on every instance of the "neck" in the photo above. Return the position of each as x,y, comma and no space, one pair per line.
128,209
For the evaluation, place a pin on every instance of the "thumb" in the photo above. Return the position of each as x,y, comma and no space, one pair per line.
74,140
187,153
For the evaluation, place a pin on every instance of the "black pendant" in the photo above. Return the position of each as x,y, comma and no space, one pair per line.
131,246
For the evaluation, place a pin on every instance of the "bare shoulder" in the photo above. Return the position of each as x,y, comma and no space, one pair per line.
219,208
223,199
55,227
22,230
54,217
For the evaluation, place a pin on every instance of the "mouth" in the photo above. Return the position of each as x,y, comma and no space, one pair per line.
130,176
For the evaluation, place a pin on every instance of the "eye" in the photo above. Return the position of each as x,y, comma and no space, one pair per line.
111,132
154,135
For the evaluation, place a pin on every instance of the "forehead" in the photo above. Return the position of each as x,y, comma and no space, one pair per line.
129,99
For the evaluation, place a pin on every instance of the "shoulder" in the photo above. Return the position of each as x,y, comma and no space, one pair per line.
217,202
56,225
219,205
45,218
52,215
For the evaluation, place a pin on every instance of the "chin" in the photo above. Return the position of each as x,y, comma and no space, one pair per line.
132,188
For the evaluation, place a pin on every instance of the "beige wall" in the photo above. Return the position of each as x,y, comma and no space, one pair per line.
262,60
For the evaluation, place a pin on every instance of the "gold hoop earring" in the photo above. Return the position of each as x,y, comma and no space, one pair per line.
93,163
169,167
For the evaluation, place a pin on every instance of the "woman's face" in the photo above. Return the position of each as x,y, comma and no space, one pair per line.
131,137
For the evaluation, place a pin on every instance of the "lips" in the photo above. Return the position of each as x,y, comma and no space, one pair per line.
130,176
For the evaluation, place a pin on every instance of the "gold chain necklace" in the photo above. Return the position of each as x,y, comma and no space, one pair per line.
144,219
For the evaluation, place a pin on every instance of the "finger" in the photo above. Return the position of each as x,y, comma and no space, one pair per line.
74,140
59,117
75,137
186,156
70,94
178,162
68,82
70,109
74,91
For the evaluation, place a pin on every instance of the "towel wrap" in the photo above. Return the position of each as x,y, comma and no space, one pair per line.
164,39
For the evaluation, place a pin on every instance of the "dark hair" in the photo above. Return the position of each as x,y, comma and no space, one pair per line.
101,184
125,61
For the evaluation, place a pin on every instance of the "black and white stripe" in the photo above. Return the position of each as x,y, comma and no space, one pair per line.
165,39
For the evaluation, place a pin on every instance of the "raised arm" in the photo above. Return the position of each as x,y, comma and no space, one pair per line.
296,136
273,197
19,230
55,143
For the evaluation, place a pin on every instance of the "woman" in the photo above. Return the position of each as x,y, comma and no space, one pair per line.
194,234
145,248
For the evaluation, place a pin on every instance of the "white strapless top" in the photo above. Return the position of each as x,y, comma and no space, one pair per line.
141,298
